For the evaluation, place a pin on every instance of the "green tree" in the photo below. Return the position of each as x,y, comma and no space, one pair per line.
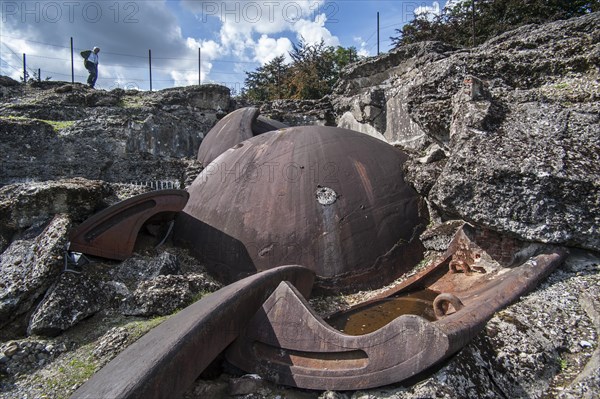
313,71
267,82
310,71
471,22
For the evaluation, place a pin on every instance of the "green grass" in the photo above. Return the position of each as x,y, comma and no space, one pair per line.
139,328
199,296
56,125
131,102
78,369
78,366
563,364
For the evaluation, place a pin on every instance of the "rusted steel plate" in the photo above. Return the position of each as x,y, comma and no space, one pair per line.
332,199
112,232
166,361
289,344
234,128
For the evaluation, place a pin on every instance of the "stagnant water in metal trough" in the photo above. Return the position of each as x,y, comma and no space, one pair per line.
376,315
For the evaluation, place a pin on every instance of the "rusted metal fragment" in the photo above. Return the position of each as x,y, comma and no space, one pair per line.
234,128
112,232
332,199
167,360
289,344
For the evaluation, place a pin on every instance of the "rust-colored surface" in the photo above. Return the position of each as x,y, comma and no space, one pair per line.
332,199
234,128
168,359
112,232
289,344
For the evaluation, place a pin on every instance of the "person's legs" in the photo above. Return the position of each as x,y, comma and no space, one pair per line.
89,66
93,75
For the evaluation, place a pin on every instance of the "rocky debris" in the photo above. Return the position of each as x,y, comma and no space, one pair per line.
504,133
121,192
23,356
113,342
163,295
29,266
501,135
164,135
246,384
299,112
72,298
136,269
438,237
5,81
378,96
116,339
205,97
536,175
586,384
193,169
586,388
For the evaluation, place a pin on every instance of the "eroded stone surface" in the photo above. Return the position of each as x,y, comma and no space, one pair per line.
516,120
52,130
163,295
24,205
71,299
29,266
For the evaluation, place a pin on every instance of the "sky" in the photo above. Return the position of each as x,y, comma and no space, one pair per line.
185,42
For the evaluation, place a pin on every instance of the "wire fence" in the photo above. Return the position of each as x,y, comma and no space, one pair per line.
29,66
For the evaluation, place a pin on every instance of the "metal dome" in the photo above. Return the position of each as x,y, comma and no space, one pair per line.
331,199
234,128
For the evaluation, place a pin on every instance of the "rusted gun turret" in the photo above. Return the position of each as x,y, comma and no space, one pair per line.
331,199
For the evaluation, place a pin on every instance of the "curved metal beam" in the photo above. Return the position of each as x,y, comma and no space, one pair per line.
168,359
288,343
112,232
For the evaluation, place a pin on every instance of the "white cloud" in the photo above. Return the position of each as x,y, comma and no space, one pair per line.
315,31
362,50
450,4
249,29
428,12
209,51
185,78
267,48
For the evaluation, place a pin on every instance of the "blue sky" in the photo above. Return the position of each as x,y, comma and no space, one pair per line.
234,36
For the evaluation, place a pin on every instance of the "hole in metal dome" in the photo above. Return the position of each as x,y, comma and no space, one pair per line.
326,195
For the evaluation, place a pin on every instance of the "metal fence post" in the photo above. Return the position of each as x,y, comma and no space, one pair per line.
150,66
377,32
72,64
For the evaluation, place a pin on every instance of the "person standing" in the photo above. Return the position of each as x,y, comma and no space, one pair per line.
91,64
